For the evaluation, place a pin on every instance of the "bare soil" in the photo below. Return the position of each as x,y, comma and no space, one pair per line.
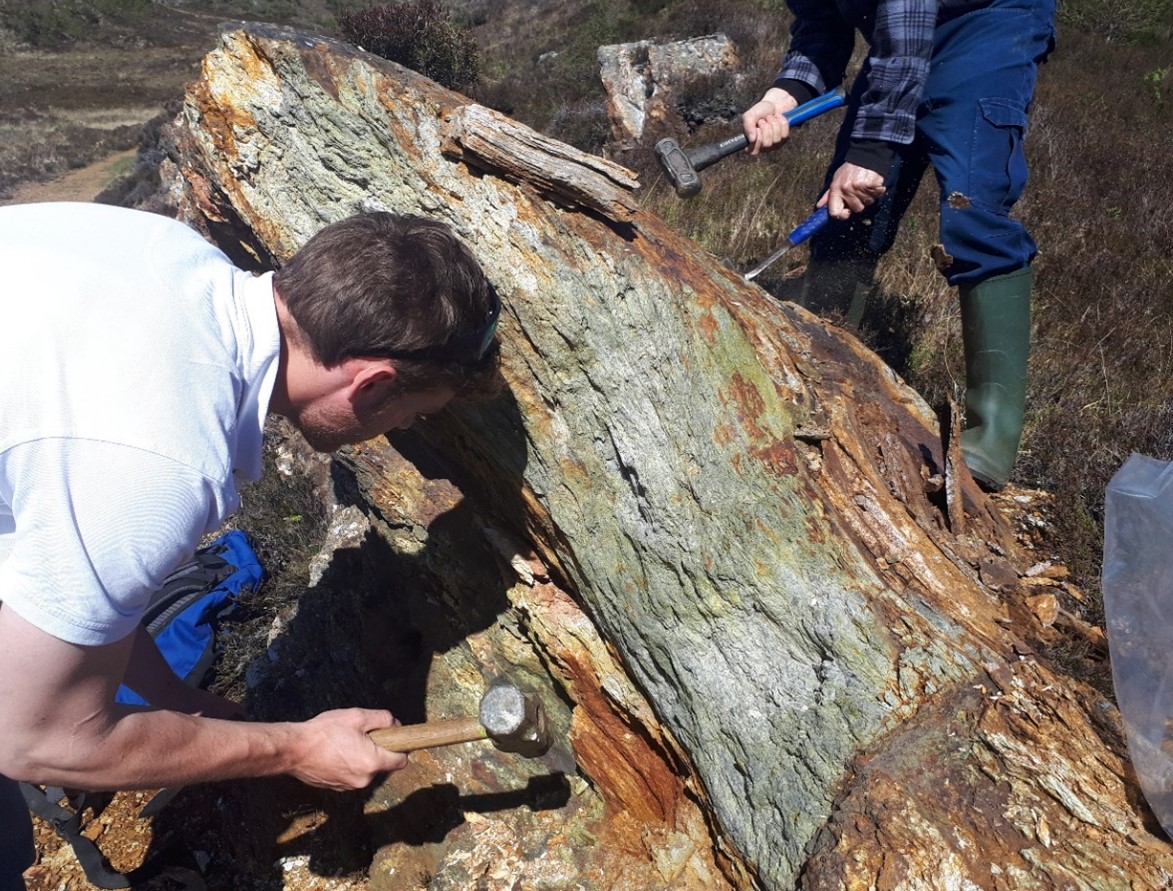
84,184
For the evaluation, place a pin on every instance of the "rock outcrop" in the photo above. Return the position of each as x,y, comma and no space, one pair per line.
645,80
780,631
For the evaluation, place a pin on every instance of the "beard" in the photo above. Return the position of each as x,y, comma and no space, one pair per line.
324,432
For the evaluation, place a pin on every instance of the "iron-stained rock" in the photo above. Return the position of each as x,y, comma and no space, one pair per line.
772,660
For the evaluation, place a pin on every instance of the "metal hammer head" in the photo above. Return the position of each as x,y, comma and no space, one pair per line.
514,721
679,168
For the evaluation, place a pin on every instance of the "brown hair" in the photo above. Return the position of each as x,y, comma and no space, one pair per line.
402,287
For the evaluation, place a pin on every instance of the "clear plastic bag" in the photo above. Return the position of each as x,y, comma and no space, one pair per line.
1138,606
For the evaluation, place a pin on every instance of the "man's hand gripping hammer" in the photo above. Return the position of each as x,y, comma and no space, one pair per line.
683,167
511,720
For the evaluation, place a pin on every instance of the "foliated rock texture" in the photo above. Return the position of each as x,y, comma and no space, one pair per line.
714,527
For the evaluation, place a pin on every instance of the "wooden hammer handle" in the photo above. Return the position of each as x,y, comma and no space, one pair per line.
412,737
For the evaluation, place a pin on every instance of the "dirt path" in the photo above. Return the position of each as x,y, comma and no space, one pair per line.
84,184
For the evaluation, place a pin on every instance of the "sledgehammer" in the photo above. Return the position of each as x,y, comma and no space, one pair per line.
513,721
684,167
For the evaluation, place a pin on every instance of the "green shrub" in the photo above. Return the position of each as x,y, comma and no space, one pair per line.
418,34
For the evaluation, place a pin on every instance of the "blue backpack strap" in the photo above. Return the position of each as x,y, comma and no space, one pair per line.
181,616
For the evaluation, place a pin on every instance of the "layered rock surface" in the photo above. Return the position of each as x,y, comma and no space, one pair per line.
779,631
644,79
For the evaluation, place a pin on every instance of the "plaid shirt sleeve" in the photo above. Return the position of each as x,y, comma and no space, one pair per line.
901,46
821,41
900,36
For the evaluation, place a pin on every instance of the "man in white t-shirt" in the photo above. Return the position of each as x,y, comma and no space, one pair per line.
137,367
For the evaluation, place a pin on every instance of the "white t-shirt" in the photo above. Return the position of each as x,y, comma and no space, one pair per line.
136,367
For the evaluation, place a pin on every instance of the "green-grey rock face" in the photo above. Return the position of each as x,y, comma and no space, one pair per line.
749,507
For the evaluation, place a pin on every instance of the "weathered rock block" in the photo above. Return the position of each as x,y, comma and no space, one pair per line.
644,79
722,534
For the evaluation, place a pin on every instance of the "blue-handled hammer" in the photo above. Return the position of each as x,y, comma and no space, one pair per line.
683,167
801,233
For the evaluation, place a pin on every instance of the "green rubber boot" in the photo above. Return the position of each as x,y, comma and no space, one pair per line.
995,328
838,291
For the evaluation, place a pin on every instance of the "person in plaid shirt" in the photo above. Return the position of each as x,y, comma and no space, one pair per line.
946,84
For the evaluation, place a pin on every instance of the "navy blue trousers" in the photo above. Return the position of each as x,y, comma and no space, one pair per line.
16,837
971,125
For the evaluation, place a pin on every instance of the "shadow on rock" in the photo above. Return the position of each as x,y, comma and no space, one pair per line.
427,815
410,575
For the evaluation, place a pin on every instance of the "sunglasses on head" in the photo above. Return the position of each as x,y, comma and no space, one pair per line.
465,349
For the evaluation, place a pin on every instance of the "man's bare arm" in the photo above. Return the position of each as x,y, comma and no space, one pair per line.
62,727
149,675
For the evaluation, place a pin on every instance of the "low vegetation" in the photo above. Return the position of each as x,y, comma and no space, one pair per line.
418,34
65,22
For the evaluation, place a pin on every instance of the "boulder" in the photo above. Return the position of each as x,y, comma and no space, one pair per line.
645,79
779,630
